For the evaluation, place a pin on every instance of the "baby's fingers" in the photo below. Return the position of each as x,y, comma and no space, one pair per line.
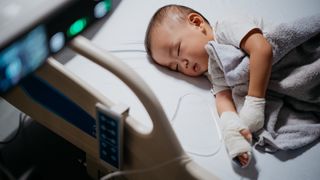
247,135
243,159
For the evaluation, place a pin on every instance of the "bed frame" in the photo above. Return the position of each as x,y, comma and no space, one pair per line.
159,152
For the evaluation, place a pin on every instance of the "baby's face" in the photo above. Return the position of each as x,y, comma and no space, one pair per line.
180,47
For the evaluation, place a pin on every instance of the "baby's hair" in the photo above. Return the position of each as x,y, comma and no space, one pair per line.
161,14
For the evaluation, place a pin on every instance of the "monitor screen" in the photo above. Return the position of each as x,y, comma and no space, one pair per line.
22,57
27,38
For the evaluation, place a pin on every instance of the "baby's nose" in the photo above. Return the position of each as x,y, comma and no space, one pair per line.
185,63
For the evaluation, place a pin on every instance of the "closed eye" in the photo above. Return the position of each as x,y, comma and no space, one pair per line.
177,68
179,48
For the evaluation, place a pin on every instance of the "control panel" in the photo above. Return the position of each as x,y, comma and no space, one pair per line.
110,134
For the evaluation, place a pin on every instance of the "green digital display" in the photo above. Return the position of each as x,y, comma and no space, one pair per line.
108,4
77,27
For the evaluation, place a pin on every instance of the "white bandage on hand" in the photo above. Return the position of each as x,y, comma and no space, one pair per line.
252,113
235,143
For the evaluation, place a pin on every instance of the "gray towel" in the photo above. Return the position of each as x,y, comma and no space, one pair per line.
293,96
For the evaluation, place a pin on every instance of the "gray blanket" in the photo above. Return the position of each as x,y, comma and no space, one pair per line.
292,115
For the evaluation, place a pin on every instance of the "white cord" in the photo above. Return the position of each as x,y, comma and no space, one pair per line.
213,117
127,50
119,50
119,173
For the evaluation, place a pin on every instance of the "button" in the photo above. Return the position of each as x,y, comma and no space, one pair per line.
57,42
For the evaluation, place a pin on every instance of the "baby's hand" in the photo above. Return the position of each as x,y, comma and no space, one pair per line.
252,113
237,138
244,158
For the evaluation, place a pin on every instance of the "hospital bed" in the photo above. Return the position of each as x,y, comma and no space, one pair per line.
171,131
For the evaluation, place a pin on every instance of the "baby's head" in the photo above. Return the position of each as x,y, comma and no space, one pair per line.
176,38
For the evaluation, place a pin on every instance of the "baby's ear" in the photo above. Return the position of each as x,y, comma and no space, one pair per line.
195,19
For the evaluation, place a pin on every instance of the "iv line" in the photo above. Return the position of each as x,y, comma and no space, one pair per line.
119,173
127,50
213,117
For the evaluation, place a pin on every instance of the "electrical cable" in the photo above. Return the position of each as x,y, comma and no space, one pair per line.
119,173
128,50
119,50
178,107
213,117
22,119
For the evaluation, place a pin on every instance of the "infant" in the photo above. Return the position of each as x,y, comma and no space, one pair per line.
179,37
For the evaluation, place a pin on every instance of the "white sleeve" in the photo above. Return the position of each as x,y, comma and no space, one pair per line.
215,74
218,82
232,30
216,77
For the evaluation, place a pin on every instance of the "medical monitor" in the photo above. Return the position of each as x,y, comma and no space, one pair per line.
30,31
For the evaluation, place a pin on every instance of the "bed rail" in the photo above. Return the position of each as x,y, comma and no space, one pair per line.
159,152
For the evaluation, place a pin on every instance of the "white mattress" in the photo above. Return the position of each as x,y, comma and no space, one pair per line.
194,123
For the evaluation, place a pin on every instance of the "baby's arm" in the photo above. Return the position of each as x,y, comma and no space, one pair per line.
260,53
224,102
233,131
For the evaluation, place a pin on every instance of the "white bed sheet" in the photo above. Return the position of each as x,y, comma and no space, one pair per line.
194,123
